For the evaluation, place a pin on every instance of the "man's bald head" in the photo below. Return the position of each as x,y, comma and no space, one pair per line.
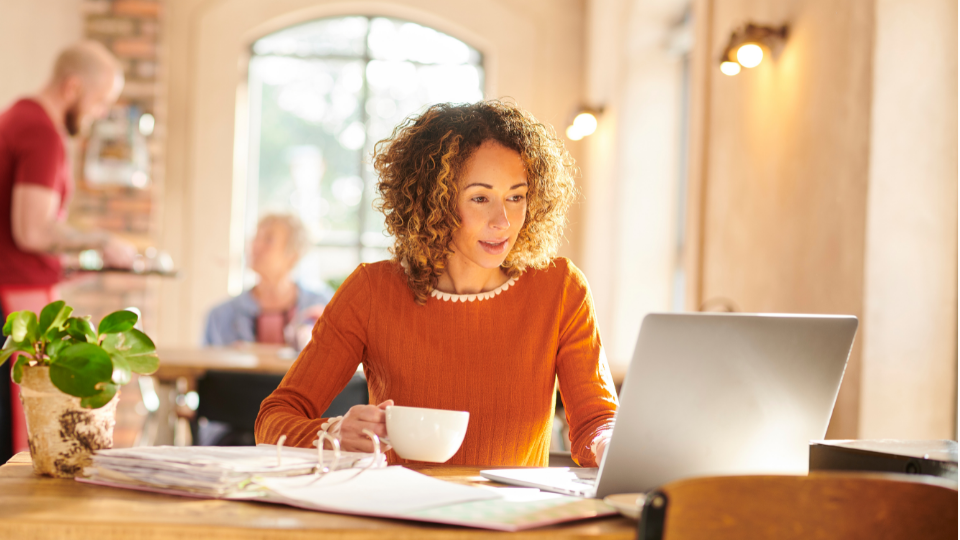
88,79
88,60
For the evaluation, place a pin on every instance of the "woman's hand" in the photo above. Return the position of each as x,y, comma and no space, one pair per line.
359,418
600,447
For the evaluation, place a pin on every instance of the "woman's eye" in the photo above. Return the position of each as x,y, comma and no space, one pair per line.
517,198
479,199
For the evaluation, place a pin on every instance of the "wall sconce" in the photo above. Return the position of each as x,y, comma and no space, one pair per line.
747,45
584,124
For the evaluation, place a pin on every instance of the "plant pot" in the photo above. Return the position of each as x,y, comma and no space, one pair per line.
62,434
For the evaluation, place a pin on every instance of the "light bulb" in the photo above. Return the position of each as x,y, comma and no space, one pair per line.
146,124
585,123
730,68
573,133
750,55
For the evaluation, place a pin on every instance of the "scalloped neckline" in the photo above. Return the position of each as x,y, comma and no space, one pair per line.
451,297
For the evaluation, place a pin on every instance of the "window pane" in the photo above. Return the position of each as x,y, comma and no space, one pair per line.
370,255
341,36
311,138
391,39
399,89
326,266
373,234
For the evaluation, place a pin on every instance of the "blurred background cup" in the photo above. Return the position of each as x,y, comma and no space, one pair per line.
432,435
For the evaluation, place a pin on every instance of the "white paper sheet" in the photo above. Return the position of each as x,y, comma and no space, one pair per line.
388,492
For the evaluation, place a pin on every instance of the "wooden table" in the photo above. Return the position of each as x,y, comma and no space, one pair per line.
194,362
38,508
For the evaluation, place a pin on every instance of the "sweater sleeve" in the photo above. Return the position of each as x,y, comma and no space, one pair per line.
586,386
323,369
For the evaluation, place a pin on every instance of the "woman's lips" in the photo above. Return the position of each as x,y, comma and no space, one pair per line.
494,248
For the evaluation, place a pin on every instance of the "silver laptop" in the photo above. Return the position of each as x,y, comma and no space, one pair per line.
713,394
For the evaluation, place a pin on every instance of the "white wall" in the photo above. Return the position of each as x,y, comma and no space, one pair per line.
32,33
631,178
909,372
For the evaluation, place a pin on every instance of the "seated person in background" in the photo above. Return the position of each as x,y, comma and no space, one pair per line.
475,312
270,313
275,307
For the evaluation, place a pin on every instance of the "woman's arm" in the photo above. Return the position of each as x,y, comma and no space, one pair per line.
589,397
323,368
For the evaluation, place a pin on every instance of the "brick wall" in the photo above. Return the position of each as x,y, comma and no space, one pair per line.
131,29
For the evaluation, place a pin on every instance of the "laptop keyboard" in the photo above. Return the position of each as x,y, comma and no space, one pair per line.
585,476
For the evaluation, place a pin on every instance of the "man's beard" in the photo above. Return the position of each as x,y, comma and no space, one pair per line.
71,120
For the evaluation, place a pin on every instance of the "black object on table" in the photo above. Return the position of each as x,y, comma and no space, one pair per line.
935,458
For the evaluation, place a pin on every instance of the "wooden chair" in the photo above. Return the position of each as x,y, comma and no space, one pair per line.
821,506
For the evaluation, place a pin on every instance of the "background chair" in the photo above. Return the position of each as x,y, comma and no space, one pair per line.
822,506
230,401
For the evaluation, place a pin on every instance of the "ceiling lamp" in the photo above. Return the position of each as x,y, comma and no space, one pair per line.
749,44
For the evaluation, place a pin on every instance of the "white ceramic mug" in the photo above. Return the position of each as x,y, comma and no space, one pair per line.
419,434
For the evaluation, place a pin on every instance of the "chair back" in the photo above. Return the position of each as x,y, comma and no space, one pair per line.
824,506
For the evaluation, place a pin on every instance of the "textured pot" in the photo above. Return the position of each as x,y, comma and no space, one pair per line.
62,434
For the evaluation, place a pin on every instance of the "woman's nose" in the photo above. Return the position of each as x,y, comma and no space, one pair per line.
499,219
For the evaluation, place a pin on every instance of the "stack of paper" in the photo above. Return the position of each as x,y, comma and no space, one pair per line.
208,471
352,487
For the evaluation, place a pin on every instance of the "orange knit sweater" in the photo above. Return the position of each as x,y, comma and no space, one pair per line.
498,358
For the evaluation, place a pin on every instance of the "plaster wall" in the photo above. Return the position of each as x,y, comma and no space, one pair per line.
909,377
32,34
631,198
784,164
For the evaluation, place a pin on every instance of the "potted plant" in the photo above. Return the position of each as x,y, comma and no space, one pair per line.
70,374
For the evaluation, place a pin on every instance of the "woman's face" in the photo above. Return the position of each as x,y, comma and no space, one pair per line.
492,206
269,256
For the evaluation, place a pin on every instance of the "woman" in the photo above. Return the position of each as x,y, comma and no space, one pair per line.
273,310
277,311
473,313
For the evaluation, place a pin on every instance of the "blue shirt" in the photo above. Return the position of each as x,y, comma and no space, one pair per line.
236,319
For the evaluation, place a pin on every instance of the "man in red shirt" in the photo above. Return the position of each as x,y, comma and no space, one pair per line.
35,187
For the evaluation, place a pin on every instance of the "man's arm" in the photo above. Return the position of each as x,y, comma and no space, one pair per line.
36,229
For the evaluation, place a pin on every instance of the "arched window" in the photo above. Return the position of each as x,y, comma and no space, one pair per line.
321,94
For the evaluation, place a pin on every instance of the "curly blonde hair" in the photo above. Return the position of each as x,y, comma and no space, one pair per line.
420,165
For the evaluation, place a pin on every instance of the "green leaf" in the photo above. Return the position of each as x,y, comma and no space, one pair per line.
80,369
18,368
53,316
118,321
80,329
55,334
11,347
56,345
8,326
121,369
24,326
136,348
102,398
